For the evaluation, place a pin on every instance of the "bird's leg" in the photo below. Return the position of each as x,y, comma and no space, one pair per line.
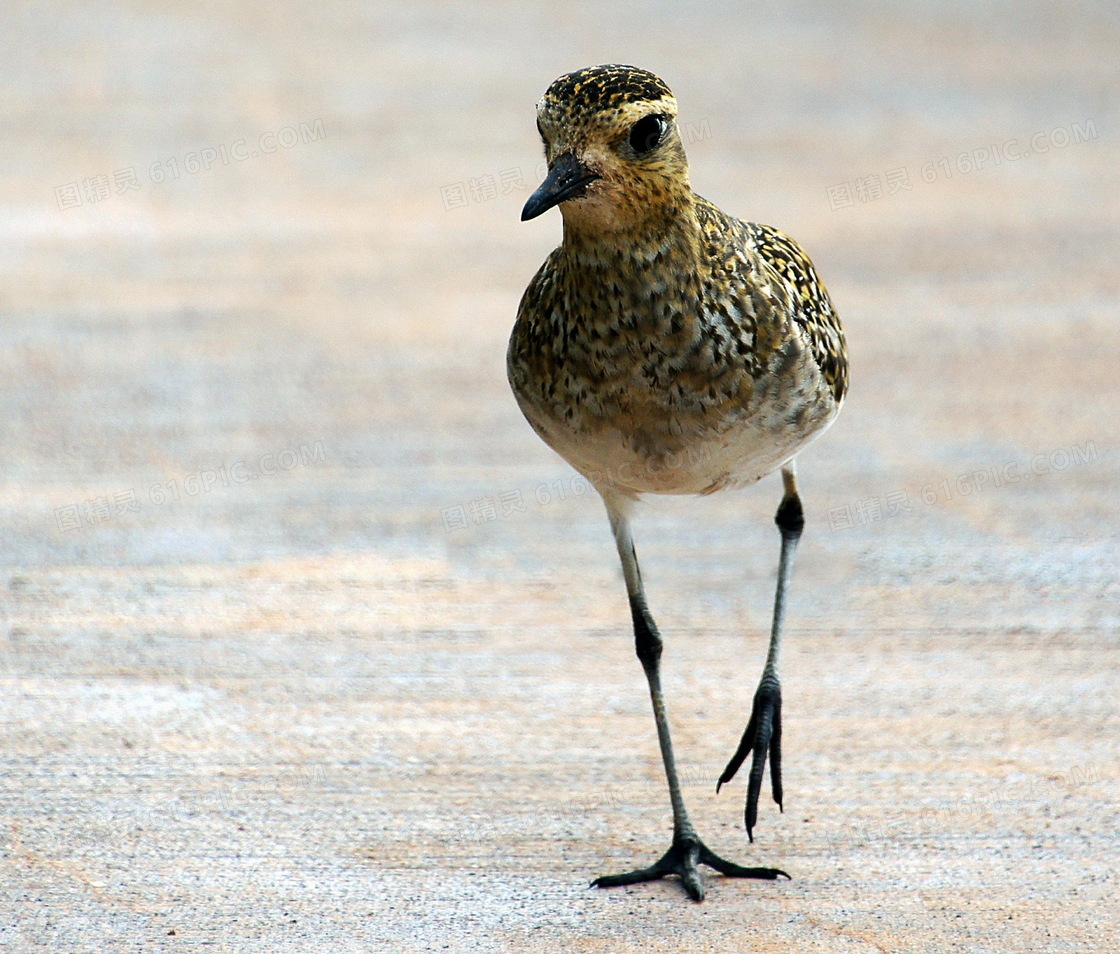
764,731
687,851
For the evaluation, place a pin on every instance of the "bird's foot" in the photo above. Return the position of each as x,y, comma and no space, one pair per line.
763,735
685,855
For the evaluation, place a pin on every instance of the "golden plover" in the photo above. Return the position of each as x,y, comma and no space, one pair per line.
668,348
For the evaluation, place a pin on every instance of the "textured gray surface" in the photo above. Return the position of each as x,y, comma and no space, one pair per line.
292,711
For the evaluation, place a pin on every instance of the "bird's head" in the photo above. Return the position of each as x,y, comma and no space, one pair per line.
615,158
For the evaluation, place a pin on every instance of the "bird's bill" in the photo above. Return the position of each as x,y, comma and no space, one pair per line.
567,179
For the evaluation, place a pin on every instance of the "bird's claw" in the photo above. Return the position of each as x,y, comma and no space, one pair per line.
763,735
683,859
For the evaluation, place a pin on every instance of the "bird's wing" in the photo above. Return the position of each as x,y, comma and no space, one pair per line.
813,309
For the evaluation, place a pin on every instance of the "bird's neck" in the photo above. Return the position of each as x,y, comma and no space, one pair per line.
641,278
667,238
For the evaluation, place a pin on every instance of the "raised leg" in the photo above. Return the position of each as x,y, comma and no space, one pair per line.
686,852
763,734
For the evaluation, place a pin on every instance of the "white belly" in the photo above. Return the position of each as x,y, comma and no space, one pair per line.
697,463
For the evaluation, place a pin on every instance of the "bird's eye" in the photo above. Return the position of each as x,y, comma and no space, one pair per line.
646,134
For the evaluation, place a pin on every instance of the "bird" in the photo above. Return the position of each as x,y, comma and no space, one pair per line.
666,347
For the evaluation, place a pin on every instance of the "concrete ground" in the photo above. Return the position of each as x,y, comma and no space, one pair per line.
309,644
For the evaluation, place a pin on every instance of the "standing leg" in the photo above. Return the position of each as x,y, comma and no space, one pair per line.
764,731
686,851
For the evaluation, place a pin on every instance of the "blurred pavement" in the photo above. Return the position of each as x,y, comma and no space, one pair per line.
309,644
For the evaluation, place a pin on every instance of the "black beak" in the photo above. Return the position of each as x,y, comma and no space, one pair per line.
567,179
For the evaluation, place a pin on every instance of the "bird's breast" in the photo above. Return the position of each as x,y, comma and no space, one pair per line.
657,398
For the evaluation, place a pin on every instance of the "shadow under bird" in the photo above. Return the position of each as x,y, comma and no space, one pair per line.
667,348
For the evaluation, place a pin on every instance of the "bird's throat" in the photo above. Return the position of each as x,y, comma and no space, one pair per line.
653,247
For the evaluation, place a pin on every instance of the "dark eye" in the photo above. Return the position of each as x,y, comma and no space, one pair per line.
646,133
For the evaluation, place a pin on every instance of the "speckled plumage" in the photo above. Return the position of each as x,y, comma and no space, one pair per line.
665,346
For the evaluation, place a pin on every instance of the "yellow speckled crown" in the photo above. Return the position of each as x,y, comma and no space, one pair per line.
610,85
